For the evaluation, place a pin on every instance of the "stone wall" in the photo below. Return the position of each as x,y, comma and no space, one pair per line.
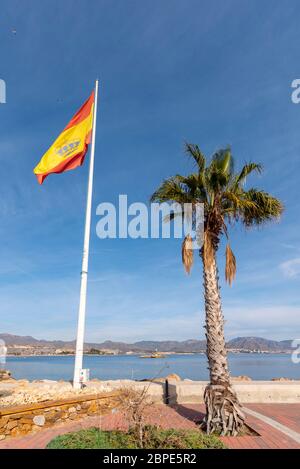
20,420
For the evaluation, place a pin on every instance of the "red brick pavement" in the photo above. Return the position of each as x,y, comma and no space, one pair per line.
180,416
268,437
286,414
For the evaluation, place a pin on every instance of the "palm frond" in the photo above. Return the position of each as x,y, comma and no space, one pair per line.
246,170
219,172
235,202
230,265
262,208
196,187
172,189
222,160
187,253
195,153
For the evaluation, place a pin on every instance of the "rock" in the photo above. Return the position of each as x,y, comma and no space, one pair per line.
93,407
26,428
53,415
35,428
170,377
173,377
26,421
3,421
71,410
281,379
241,378
15,432
2,437
4,374
23,382
39,420
12,424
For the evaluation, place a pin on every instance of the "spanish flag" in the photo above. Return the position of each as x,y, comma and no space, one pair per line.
69,149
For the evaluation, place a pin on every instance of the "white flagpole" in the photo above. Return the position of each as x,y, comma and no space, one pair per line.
85,257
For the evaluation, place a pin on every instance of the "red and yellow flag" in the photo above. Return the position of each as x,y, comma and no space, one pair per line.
69,149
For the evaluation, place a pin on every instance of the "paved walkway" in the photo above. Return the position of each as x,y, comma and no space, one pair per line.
185,417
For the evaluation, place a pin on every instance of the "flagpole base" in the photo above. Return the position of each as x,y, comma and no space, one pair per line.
77,385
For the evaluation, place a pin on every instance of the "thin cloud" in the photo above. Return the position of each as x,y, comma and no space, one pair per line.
291,268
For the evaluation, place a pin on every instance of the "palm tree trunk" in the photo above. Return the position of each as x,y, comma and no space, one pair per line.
223,410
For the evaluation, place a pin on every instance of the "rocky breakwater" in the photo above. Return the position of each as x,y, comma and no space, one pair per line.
20,392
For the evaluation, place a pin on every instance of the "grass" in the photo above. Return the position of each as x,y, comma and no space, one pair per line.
155,438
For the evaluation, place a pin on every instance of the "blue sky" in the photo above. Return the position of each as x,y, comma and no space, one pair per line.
209,72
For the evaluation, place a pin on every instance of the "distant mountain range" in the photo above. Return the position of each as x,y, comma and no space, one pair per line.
239,343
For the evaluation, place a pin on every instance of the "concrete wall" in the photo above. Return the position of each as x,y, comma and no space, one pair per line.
191,392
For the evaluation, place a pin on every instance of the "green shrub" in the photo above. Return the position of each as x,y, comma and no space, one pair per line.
154,438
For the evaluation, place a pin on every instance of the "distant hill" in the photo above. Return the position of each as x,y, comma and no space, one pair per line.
239,343
10,339
258,343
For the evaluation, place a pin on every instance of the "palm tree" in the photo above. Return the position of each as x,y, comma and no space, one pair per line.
221,190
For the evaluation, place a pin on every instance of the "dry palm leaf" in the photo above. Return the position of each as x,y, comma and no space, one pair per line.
187,253
230,267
